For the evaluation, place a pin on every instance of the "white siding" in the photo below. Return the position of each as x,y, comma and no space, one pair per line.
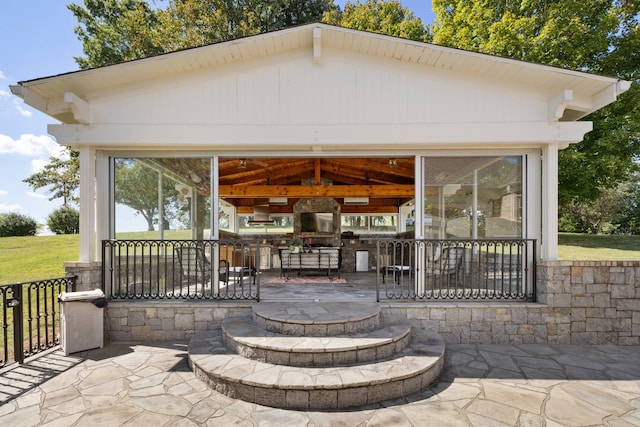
343,88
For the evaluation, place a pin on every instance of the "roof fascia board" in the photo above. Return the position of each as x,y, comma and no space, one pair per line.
478,55
171,56
599,100
310,137
46,105
606,96
325,27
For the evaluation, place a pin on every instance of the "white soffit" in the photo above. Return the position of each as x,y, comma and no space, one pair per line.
47,94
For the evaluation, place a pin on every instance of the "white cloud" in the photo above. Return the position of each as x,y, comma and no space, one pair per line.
3,192
30,145
21,109
37,195
38,164
10,208
2,76
4,94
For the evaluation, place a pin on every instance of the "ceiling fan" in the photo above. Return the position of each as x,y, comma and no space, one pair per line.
242,163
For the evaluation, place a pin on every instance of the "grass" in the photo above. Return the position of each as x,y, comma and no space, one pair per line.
29,258
588,247
24,259
39,257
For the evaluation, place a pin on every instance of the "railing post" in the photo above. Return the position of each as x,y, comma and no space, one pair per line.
535,272
18,327
378,270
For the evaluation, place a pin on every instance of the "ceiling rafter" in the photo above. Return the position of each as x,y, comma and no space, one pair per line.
262,178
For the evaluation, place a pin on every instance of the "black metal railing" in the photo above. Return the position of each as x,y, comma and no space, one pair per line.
181,269
30,317
498,269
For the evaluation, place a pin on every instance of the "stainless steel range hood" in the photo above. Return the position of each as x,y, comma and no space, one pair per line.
261,213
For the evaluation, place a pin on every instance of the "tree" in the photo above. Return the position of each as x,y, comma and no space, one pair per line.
191,23
114,31
65,220
379,16
563,33
594,216
136,186
62,176
271,15
590,35
629,216
607,156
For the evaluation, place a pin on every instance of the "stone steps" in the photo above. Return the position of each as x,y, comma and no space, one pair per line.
314,320
244,360
249,340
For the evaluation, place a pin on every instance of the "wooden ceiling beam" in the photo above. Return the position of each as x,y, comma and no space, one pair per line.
383,209
372,174
288,210
318,172
277,170
265,191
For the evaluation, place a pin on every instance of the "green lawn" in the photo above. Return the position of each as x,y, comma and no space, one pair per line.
23,259
40,257
587,247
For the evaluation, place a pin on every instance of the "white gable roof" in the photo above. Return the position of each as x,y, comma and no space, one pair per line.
320,84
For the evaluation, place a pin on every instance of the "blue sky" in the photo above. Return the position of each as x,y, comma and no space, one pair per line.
37,40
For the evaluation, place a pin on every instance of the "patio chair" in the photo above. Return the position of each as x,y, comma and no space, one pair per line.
240,265
397,261
399,270
196,268
448,268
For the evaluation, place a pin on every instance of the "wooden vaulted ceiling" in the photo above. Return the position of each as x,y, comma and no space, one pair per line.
243,180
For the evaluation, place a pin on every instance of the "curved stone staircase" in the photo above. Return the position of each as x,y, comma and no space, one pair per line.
316,356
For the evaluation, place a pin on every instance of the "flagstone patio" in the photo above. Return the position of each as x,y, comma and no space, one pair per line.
497,385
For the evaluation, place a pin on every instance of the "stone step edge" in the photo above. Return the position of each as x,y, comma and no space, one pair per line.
316,388
248,340
343,318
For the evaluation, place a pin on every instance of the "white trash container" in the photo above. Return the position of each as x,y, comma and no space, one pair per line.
81,320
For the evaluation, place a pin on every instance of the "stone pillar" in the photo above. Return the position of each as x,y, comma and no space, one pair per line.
89,274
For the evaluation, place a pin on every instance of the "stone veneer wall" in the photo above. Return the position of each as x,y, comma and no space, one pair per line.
148,321
578,303
603,299
318,205
89,274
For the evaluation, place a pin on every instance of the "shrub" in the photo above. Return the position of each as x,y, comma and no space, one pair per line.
569,224
13,224
65,220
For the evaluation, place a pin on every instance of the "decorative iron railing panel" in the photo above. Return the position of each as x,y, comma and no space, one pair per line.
30,317
181,269
498,269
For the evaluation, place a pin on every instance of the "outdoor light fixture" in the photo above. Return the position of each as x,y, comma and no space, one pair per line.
195,178
242,163
393,163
